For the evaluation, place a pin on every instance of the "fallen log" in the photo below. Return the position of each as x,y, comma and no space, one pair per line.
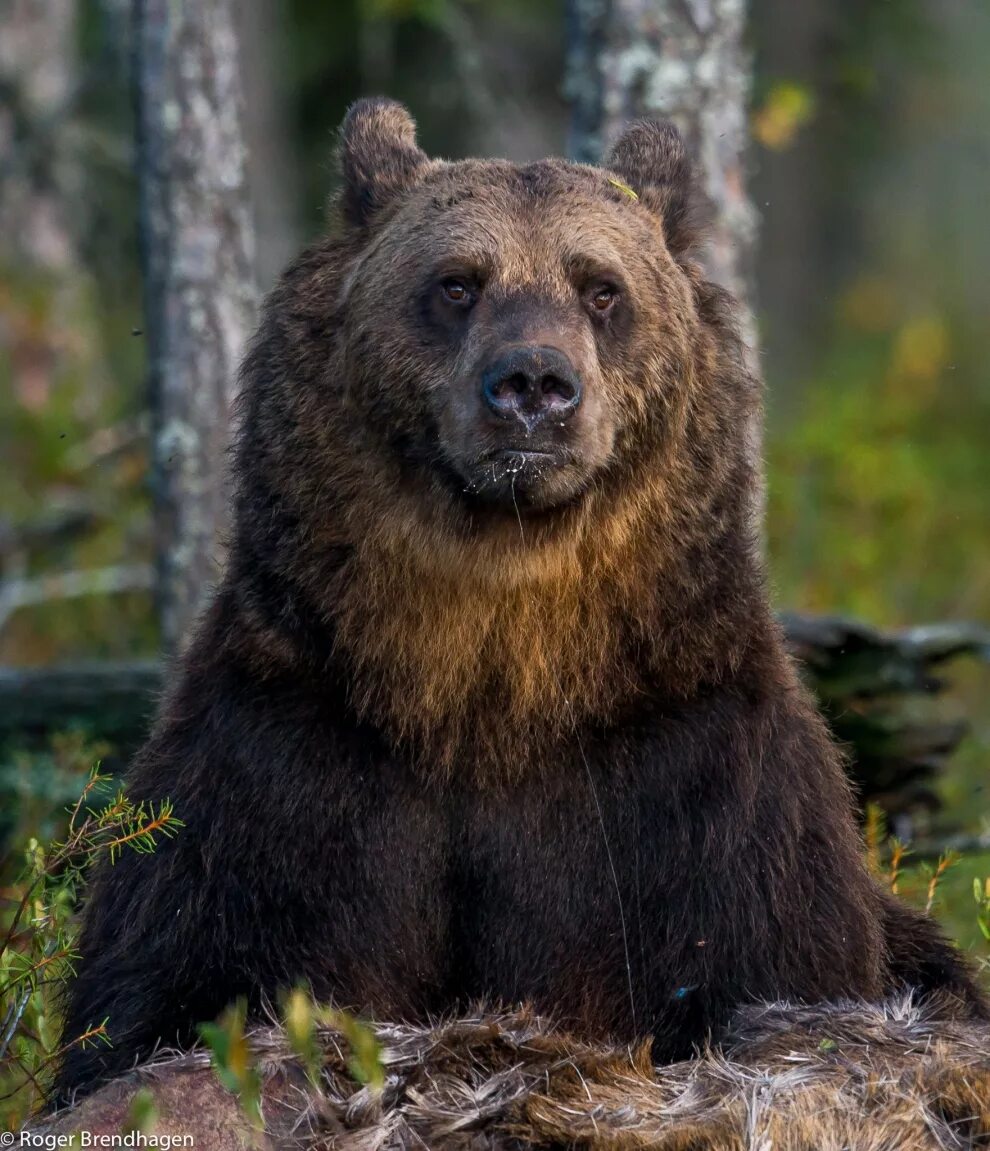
898,1076
112,700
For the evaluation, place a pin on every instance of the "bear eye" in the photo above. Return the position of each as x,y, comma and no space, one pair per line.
455,292
604,298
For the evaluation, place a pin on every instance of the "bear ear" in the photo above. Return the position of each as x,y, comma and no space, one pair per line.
379,157
651,157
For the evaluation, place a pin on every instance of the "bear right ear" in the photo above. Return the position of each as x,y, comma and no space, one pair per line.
379,157
651,157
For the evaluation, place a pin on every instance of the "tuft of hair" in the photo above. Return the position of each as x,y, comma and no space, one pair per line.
904,1075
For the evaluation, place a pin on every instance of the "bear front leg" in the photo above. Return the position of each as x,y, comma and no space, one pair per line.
148,966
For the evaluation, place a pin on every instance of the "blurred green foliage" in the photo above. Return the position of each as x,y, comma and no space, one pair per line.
878,489
73,492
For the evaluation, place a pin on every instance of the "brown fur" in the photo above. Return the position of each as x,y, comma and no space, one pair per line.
476,661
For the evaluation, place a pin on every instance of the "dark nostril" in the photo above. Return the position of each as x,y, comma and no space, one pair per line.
557,389
506,391
517,383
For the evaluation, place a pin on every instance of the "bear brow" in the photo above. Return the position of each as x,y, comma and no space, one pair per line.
472,247
595,260
456,259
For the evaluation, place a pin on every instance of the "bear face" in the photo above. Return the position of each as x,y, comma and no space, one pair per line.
522,330
497,422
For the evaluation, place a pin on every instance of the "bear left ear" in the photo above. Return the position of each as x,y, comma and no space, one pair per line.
651,157
379,157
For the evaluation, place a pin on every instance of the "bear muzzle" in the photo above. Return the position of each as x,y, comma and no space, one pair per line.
531,387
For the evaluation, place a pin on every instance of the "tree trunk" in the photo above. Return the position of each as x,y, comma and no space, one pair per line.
681,60
792,186
37,174
272,172
198,260
44,304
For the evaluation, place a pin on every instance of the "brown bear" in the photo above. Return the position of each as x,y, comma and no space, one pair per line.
490,703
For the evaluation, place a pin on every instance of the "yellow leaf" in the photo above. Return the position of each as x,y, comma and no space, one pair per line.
624,188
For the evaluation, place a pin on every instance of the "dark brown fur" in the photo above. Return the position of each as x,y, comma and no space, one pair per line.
454,728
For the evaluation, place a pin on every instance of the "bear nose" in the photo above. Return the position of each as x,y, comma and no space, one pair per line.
531,384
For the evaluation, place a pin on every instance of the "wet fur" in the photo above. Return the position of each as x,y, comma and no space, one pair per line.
426,750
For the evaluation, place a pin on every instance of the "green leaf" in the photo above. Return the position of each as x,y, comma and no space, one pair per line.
365,1063
233,1060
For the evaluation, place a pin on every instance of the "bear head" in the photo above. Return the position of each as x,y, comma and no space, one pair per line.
495,435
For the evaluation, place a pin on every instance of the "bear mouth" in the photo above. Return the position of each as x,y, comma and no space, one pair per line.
526,454
524,469
525,457
524,479
536,482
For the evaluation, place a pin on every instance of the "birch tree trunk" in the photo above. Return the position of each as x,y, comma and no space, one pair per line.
681,60
198,262
685,61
